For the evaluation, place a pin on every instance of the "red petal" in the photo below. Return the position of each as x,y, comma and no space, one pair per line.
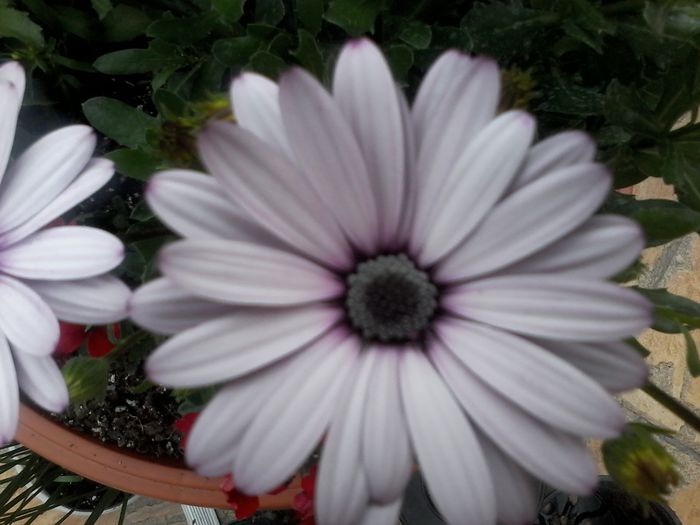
227,485
243,505
98,344
72,336
308,482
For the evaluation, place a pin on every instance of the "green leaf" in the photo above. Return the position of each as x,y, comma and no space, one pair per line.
231,9
625,107
673,312
679,19
400,59
77,22
124,23
118,120
691,354
235,52
565,97
169,104
662,220
101,7
129,62
416,34
310,14
267,64
494,28
269,12
183,30
309,54
17,24
86,378
135,164
356,17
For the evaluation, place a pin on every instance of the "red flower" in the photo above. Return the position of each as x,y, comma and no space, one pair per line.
184,425
304,501
97,337
243,505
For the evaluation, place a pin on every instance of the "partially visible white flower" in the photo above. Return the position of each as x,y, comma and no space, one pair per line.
420,284
47,273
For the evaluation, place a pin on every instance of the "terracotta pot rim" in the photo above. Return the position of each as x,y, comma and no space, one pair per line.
126,471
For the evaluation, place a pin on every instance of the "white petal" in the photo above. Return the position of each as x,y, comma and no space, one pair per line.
11,91
25,319
62,253
214,439
457,98
236,344
255,104
516,489
364,89
195,205
614,365
270,188
528,220
558,458
387,514
327,151
602,247
291,423
448,451
42,172
9,394
162,307
41,379
386,451
534,379
96,174
410,182
553,307
558,151
450,208
13,72
342,496
97,300
244,273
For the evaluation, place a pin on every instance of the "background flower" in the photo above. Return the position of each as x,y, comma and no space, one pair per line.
51,273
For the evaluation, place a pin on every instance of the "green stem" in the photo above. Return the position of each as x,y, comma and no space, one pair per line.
673,405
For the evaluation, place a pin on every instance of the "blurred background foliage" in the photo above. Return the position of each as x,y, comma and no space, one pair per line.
147,75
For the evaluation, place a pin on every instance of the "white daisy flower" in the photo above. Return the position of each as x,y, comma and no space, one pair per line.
47,273
420,285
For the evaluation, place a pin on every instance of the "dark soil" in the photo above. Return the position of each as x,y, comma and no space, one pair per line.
137,421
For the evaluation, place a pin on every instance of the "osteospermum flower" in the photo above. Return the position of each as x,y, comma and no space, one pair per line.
47,273
418,286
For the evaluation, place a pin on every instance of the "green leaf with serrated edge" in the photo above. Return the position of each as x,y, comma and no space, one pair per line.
310,14
623,106
129,62
86,378
135,164
231,9
269,11
691,352
101,7
17,24
119,121
672,311
416,34
309,54
235,52
356,17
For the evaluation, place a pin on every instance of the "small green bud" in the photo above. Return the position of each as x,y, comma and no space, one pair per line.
640,464
86,378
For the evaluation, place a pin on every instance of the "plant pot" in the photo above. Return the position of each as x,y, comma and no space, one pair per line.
110,466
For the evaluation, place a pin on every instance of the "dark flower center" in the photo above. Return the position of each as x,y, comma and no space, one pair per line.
389,299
